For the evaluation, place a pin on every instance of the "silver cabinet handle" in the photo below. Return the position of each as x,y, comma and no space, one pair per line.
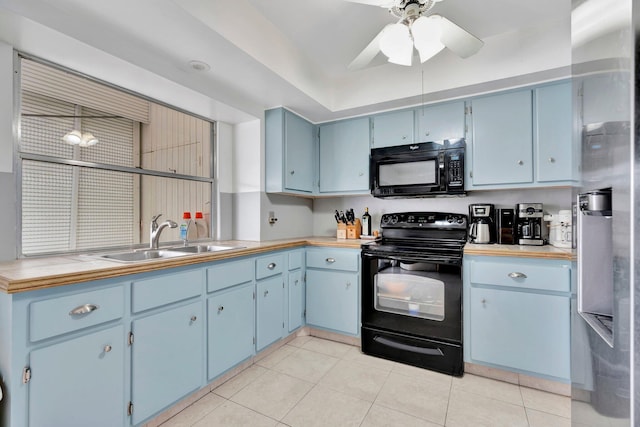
266,293
520,162
292,172
194,318
404,137
83,309
483,301
552,160
330,260
107,348
348,285
295,283
220,308
517,275
271,266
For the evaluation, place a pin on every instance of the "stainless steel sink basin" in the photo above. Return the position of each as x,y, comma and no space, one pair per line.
141,255
197,249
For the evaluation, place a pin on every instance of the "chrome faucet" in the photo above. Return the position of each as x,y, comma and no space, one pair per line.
155,229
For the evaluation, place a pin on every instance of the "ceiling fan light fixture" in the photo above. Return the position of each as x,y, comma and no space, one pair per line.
427,33
396,44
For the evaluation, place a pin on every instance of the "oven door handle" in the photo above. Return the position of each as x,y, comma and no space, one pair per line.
407,347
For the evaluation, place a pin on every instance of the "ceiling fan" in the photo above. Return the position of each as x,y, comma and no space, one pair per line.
428,33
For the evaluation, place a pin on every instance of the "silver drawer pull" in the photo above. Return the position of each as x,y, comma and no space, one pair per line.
271,266
516,275
83,309
107,348
266,293
348,285
194,318
331,260
220,308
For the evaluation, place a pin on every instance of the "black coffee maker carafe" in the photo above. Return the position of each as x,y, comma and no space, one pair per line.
482,228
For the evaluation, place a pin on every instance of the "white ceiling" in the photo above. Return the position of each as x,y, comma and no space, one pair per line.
267,53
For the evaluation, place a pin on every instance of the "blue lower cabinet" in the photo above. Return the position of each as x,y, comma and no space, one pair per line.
270,311
79,381
296,300
525,331
167,358
332,300
230,328
517,315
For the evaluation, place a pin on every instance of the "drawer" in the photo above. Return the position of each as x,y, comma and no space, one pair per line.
333,259
269,266
52,317
165,289
295,260
540,275
229,274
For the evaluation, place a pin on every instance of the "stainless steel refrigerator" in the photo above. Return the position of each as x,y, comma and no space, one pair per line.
605,316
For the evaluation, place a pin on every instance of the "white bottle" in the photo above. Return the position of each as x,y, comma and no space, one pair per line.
184,226
202,227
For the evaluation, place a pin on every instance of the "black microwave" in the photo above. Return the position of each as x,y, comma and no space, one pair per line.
418,170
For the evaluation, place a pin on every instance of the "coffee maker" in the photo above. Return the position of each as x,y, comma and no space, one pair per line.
529,217
482,227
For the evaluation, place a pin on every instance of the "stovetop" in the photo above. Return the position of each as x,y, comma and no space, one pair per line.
437,236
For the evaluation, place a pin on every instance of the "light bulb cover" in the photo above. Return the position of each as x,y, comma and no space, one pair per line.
427,33
88,140
396,44
73,138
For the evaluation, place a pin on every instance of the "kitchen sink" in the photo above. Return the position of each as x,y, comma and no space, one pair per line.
197,249
145,255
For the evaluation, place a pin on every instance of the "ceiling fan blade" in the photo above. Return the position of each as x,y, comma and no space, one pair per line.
458,40
367,54
382,3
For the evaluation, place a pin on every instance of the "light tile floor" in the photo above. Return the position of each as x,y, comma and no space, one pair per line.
314,382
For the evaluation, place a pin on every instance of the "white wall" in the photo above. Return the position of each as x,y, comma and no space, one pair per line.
247,180
324,223
7,180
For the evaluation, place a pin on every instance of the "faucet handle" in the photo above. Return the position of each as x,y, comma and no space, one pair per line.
154,218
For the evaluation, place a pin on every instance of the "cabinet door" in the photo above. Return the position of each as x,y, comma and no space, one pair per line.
439,122
79,381
553,133
520,330
296,297
167,358
502,139
299,159
332,300
344,156
270,319
392,129
231,328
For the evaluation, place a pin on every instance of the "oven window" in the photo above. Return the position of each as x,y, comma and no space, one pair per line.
408,173
410,295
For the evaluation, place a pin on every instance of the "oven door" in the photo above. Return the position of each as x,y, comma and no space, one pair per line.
412,296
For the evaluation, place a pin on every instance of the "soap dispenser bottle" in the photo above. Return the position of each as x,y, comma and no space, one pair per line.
202,227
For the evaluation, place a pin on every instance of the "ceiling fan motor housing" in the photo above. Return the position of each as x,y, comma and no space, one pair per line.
410,10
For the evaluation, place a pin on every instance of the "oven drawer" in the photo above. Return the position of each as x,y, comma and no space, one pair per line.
334,259
519,273
425,353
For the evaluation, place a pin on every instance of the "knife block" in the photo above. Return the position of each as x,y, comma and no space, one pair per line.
341,232
354,230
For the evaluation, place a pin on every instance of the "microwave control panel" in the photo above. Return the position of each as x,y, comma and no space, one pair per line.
455,168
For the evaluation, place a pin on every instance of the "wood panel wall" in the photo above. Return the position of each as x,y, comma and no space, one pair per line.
177,143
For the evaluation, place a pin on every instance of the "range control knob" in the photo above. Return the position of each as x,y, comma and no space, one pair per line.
460,220
393,219
385,219
451,219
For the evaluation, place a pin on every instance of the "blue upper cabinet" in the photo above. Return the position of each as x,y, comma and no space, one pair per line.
439,122
395,128
553,140
502,139
290,153
344,156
